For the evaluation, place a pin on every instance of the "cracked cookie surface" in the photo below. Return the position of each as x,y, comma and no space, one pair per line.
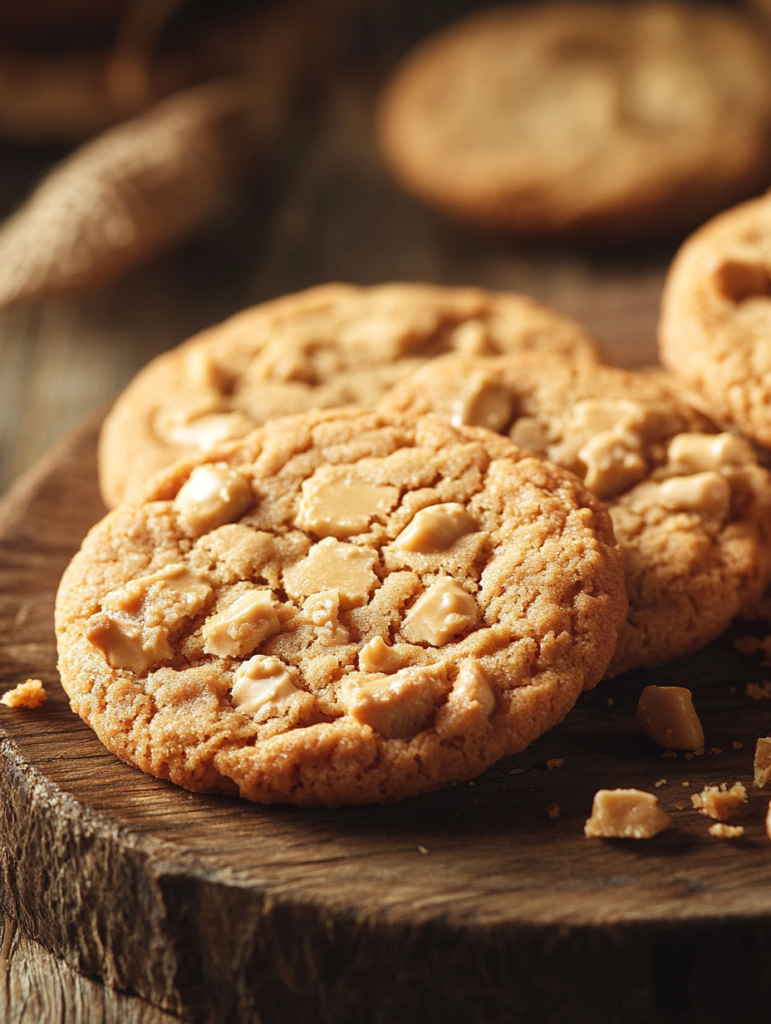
595,120
342,607
715,326
328,346
690,505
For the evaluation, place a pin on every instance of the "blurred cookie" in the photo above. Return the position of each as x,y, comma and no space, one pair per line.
715,328
690,506
328,346
342,607
592,120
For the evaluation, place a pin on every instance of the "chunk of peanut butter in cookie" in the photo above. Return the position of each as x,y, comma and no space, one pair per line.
613,463
667,715
261,681
332,565
436,528
377,656
322,609
207,430
214,495
741,274
592,416
708,494
236,631
397,707
482,403
342,507
441,613
697,453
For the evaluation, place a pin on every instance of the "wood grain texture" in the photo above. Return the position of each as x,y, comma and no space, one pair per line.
217,910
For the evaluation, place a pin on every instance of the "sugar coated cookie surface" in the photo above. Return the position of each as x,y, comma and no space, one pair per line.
690,505
329,346
343,607
715,328
596,120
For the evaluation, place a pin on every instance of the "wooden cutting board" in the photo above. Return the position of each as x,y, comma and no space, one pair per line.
470,904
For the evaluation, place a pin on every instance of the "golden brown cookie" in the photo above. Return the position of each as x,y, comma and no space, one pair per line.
592,120
328,346
690,506
715,328
342,607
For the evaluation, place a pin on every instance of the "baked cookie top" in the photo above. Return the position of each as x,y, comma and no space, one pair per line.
328,346
715,327
343,607
598,120
689,505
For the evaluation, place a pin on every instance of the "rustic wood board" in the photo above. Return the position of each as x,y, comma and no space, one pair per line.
218,910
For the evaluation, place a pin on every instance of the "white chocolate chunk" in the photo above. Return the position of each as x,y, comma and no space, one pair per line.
443,611
213,495
204,432
398,707
322,609
613,462
377,656
707,493
331,565
666,714
261,680
626,814
236,632
482,403
696,453
334,507
436,528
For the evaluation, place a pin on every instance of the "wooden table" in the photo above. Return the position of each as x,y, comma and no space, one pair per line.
327,211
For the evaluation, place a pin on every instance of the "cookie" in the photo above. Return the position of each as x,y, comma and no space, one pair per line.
329,346
343,607
715,327
589,120
690,506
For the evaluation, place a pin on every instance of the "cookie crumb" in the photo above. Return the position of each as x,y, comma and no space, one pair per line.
747,645
553,810
679,805
555,762
661,782
471,783
758,691
30,694
667,716
737,745
686,783
768,821
610,702
422,849
626,814
699,751
720,802
763,761
715,750
720,831
669,753
688,756
516,771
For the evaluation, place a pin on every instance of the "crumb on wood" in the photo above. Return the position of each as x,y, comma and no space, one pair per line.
553,809
679,805
688,756
686,783
747,645
516,771
763,760
555,762
720,802
626,814
422,849
758,691
669,753
661,782
720,831
30,694
737,745
715,750
699,751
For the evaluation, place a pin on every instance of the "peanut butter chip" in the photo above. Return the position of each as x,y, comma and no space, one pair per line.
332,507
322,609
398,707
331,565
214,494
667,715
204,432
133,628
436,528
482,403
707,493
626,814
443,611
593,416
696,453
377,656
261,680
613,463
740,275
236,631
476,686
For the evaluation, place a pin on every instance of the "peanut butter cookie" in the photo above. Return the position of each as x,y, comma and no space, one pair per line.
690,506
591,120
329,346
342,607
715,328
